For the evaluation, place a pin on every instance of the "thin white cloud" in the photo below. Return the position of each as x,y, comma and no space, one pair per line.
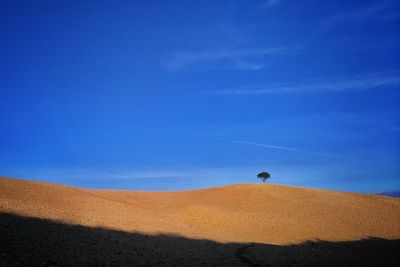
270,3
248,65
357,83
284,148
236,58
380,10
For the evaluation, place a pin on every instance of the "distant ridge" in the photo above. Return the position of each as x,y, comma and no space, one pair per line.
391,194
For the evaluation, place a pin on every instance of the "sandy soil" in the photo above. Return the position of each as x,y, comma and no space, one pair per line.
252,213
238,213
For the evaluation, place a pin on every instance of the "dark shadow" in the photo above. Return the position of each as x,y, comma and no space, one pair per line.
28,241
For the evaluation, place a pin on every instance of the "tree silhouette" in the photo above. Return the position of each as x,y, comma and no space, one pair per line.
264,176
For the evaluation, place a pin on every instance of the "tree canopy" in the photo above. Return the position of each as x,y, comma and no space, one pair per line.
264,176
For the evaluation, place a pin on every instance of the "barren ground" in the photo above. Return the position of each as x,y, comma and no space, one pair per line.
244,225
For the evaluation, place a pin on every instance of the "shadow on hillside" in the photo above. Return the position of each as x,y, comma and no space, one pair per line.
28,241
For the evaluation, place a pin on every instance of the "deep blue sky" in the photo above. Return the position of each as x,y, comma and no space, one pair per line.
168,95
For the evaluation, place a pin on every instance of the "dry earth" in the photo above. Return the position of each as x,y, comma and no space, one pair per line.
243,225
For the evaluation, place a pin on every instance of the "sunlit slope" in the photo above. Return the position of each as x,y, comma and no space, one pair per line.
237,213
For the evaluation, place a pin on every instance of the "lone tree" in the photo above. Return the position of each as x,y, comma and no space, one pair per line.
263,175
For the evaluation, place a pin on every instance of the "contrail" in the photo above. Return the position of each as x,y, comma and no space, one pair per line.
285,148
356,83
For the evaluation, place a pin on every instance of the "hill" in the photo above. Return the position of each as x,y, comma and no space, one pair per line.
250,213
238,213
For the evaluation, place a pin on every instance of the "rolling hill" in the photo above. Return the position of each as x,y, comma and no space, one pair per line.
243,213
238,213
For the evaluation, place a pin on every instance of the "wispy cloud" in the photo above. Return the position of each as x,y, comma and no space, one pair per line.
284,148
381,10
364,82
270,3
236,58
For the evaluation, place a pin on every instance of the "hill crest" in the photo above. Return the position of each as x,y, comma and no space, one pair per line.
236,213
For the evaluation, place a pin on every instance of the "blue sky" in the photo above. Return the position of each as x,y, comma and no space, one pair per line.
170,95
